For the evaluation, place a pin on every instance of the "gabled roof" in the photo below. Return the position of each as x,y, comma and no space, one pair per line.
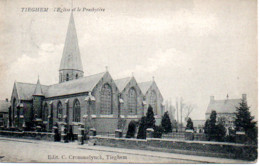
223,106
38,89
71,55
198,123
4,105
83,84
121,83
26,90
144,86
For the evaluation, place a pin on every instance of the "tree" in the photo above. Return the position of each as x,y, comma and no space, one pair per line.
158,130
188,109
166,123
189,125
244,121
142,129
220,132
210,126
150,120
131,130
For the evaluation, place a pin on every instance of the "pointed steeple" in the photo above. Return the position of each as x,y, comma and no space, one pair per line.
38,89
71,65
71,55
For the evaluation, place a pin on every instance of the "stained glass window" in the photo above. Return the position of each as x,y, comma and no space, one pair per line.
59,111
153,102
76,111
45,113
132,101
106,100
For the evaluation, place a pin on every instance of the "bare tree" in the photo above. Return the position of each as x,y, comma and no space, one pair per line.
188,109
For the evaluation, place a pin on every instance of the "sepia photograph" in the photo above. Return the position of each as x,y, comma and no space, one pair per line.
119,81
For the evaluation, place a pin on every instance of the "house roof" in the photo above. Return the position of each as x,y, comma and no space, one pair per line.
198,123
71,54
26,90
223,106
4,105
144,86
83,84
121,83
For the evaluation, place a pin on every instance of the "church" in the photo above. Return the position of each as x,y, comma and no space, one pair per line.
97,101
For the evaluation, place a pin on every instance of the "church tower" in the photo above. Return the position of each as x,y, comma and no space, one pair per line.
71,65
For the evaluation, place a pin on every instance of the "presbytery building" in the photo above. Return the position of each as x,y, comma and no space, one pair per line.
225,109
98,101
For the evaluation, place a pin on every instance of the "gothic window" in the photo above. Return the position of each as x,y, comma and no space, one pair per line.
153,102
14,108
59,111
45,113
132,101
67,112
76,111
77,76
106,100
67,77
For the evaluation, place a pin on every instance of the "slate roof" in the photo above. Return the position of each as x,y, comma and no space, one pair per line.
26,90
121,83
223,106
144,86
38,89
71,54
4,105
83,84
198,123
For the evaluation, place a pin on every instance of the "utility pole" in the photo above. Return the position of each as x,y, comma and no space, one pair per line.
177,110
181,105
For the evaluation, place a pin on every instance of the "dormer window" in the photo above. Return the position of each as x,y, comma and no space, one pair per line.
67,77
77,76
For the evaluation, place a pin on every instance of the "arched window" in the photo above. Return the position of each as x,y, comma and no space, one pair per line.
59,111
132,101
106,100
45,112
14,108
67,77
153,102
76,111
77,76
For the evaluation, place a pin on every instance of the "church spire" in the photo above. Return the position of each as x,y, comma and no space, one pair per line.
38,89
71,65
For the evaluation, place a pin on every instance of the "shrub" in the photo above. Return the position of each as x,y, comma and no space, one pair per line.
131,130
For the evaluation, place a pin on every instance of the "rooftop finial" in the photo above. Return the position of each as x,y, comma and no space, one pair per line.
132,74
153,78
106,68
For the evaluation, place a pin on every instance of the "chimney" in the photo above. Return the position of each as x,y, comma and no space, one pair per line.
6,99
244,97
211,98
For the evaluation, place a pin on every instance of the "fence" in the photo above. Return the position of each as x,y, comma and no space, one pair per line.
181,136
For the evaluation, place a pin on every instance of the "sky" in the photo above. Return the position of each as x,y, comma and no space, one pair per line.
194,49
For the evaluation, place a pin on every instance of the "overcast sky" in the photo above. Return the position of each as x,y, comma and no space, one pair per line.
194,49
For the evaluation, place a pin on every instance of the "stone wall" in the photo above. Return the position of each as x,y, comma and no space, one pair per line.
28,135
